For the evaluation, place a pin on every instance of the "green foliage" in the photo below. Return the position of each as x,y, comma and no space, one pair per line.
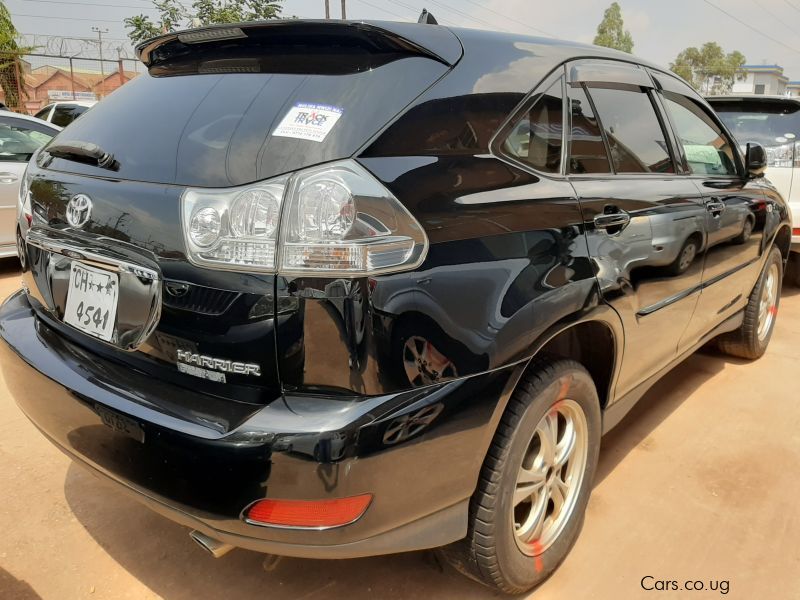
174,16
611,32
12,76
708,68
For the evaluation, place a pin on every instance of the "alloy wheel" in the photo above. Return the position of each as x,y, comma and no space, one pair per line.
767,306
550,477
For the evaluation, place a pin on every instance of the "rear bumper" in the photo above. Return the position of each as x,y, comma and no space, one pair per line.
194,470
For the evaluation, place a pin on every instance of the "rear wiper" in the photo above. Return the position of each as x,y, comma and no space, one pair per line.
83,152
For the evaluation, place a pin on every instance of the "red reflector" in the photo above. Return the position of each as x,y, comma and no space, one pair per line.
309,513
796,231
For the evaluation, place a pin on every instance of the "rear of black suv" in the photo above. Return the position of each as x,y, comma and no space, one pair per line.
157,338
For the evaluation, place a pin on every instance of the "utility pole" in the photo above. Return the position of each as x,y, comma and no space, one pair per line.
327,9
344,10
100,33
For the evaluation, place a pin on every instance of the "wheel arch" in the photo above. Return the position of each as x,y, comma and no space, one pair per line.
569,339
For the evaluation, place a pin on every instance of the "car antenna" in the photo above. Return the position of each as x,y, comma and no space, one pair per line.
427,18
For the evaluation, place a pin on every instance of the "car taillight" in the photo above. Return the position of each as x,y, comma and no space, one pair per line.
336,219
308,514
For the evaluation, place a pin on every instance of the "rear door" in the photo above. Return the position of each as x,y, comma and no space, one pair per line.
736,210
226,115
645,223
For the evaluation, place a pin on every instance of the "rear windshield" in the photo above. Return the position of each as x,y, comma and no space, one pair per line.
222,122
767,123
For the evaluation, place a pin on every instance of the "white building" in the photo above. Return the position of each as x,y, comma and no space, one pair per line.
793,89
761,79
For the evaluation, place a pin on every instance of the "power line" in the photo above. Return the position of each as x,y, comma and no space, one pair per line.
773,15
467,15
388,12
486,8
792,5
66,18
751,28
91,4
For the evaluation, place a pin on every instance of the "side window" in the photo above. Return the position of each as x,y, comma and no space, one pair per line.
706,149
536,137
587,151
64,115
42,114
18,142
635,138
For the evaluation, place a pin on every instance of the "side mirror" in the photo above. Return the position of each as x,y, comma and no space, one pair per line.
755,159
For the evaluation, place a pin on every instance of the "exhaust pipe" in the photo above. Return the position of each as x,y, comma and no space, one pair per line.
214,547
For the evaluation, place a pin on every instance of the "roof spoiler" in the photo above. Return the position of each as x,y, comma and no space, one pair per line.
437,43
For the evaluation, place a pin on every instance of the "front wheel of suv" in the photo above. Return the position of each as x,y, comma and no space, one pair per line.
752,337
535,482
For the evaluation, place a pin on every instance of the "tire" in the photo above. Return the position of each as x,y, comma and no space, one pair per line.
680,265
493,553
751,339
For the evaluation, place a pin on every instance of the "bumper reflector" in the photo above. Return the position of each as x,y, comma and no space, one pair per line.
308,514
796,231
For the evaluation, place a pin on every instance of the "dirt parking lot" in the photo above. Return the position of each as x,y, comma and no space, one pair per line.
699,483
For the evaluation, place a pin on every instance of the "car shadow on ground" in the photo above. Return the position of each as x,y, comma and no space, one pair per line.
11,587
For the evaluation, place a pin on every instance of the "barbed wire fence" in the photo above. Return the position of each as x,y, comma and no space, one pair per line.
30,81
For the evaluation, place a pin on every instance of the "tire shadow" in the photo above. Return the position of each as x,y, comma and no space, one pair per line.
160,554
11,587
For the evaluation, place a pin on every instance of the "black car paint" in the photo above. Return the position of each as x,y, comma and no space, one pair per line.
515,267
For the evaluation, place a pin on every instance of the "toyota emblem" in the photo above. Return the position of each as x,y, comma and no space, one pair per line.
79,209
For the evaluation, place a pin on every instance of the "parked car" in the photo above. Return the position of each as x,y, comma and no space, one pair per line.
773,122
304,288
20,137
64,113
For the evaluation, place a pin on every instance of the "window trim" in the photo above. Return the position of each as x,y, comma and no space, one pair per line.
665,130
737,159
495,143
668,82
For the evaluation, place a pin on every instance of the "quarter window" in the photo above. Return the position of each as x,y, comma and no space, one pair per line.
706,149
587,151
635,138
536,138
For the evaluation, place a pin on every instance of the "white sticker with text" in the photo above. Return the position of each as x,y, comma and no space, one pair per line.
308,122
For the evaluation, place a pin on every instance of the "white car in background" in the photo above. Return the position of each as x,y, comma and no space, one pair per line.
773,122
20,137
64,113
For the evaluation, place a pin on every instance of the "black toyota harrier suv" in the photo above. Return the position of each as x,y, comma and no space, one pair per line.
337,289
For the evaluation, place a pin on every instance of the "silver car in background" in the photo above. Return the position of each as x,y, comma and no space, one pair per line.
20,137
773,122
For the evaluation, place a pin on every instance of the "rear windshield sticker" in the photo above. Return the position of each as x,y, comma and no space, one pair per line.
308,122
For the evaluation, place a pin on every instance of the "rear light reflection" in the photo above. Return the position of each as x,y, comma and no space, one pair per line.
308,514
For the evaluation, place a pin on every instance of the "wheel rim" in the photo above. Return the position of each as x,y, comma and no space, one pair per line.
767,306
687,256
748,229
424,364
550,477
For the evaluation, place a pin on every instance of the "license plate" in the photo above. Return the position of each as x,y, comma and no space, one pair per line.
120,423
92,300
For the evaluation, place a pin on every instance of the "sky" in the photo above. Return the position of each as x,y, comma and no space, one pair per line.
765,31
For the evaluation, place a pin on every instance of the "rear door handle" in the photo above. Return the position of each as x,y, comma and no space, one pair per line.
8,177
715,206
617,219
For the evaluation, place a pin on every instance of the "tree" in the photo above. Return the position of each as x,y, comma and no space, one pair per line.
173,15
708,68
12,76
611,32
